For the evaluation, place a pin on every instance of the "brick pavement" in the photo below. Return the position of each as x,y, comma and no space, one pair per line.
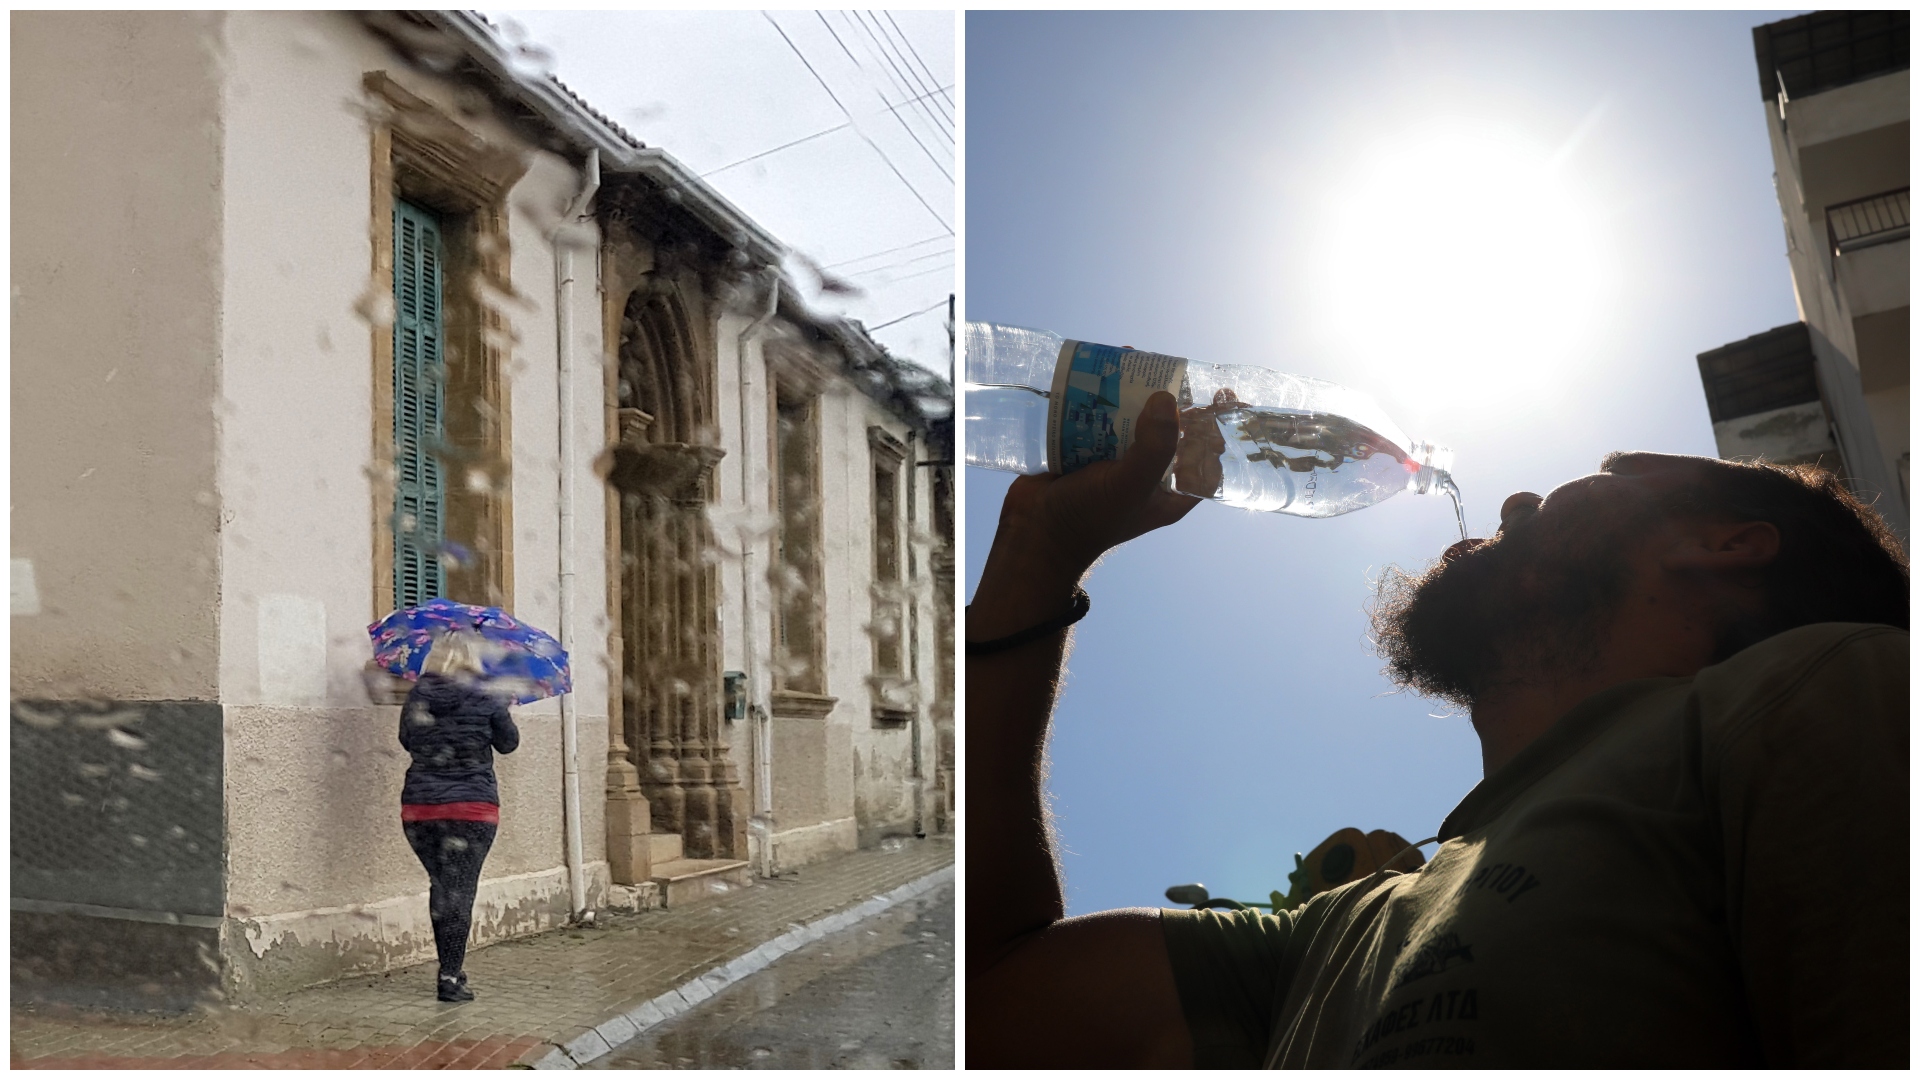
532,994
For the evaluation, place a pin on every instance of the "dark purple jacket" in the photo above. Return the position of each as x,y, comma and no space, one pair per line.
452,730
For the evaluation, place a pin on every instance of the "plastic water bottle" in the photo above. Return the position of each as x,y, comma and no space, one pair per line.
1249,436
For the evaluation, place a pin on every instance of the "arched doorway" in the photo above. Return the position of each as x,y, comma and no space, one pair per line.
669,618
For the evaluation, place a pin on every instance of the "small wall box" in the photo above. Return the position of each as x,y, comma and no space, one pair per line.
735,683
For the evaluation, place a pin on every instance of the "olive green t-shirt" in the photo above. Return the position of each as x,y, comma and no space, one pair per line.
1702,872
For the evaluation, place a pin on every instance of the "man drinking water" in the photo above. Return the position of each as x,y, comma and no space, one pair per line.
1689,680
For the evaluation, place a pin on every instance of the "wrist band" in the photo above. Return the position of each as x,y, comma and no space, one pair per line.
1081,603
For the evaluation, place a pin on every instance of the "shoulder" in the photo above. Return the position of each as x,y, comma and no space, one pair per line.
1818,690
1833,663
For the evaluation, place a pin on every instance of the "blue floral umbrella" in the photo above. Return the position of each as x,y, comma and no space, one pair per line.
520,663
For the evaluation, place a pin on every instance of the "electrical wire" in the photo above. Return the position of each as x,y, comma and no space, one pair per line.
797,142
947,254
891,72
923,273
856,128
909,315
901,120
888,251
916,56
777,149
939,119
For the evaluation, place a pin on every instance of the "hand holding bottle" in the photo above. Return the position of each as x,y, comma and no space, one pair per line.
1283,443
1054,528
1197,468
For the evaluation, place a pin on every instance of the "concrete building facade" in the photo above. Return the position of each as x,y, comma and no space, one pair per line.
1835,90
217,221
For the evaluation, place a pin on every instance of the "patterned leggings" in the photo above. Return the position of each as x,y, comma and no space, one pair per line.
452,852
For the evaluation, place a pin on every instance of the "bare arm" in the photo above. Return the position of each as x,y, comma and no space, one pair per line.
1044,990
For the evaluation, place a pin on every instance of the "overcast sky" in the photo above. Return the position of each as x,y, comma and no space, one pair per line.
868,193
1515,230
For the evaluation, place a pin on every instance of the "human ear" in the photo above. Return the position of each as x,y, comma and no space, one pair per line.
1724,546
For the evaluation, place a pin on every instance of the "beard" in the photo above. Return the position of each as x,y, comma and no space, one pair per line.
1532,602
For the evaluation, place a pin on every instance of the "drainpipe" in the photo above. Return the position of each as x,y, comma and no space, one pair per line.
913,602
756,709
569,722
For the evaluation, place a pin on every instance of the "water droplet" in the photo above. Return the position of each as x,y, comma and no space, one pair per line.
531,61
126,740
375,306
33,717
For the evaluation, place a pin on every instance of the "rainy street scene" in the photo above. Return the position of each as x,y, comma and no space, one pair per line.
495,607
771,1019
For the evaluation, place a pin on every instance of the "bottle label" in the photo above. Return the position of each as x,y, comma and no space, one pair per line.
1098,392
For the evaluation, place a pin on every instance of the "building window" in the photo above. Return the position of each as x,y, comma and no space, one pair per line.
796,576
886,565
443,521
892,693
419,403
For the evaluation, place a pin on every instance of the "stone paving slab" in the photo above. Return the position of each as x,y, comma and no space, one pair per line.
569,988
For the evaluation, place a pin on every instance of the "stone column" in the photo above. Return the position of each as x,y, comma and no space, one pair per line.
629,814
696,655
661,778
732,807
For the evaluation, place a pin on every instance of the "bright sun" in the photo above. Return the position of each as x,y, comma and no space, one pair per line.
1466,264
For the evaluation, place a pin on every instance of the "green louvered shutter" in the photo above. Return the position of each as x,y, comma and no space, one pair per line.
419,393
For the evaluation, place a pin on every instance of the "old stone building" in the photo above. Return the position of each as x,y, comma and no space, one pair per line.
320,314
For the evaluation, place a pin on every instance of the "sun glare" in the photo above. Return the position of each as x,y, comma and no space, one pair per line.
1465,265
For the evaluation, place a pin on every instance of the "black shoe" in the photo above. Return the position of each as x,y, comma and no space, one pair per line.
455,989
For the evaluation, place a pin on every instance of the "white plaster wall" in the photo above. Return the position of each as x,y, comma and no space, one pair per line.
116,182
313,770
835,778
743,528
883,756
536,204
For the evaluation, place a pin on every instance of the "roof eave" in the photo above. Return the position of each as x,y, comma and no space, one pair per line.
618,154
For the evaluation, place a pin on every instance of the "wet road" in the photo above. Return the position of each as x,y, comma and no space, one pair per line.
878,995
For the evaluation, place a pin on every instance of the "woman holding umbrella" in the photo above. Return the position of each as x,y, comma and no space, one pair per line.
450,804
470,663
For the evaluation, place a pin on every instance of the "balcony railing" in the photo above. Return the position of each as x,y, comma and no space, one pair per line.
1876,219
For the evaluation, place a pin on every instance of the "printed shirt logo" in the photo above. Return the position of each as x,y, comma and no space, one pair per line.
1434,956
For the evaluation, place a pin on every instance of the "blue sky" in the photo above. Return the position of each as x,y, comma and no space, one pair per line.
1515,230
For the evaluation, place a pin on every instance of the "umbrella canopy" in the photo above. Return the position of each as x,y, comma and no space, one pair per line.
518,662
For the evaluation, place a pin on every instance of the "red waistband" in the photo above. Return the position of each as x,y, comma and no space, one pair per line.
452,811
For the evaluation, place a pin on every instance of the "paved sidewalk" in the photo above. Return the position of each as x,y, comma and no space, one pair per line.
534,994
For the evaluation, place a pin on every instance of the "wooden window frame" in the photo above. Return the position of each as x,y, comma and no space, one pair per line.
424,155
786,399
796,377
887,456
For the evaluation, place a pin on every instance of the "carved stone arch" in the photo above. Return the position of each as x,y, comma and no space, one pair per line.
669,596
656,353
